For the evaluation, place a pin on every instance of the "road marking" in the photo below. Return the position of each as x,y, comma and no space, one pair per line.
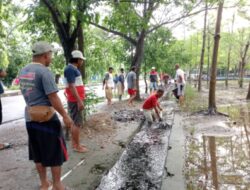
69,172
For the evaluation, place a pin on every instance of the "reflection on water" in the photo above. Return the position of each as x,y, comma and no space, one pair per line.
220,162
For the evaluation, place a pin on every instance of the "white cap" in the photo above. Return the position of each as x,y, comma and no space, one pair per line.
77,54
41,47
153,67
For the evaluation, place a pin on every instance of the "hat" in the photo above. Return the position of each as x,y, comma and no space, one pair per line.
77,54
153,68
41,47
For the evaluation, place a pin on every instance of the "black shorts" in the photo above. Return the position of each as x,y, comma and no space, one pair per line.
46,143
75,115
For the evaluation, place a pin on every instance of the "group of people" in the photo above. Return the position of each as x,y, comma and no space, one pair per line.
109,85
47,147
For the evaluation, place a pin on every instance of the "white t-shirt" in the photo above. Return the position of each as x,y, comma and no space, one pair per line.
109,79
180,73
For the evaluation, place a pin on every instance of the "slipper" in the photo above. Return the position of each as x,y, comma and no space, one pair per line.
5,146
80,149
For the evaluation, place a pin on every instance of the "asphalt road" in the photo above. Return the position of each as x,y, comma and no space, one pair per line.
13,106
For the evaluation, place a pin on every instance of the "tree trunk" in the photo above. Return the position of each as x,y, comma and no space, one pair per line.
67,38
228,66
212,149
203,50
211,99
241,74
208,56
242,65
229,53
146,84
81,48
248,94
137,60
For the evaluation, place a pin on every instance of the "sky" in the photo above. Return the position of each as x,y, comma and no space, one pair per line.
184,30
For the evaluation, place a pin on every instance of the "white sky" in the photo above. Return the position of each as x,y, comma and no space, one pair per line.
184,30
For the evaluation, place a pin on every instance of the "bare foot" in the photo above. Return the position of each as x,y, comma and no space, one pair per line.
81,149
46,186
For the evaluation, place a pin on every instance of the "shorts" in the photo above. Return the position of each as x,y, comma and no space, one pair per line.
131,91
75,114
180,89
108,93
46,143
153,85
148,114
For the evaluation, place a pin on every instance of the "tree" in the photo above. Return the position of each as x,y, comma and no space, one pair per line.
68,17
131,20
229,52
242,63
203,48
212,99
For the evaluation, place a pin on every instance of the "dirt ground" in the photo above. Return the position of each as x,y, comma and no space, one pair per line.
104,135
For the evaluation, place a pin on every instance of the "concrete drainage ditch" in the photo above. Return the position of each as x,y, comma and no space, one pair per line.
141,165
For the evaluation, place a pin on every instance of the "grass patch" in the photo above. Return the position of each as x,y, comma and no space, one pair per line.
193,100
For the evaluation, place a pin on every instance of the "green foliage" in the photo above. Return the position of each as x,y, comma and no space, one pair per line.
163,51
89,103
103,51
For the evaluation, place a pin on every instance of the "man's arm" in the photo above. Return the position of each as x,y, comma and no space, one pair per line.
57,104
158,105
157,112
134,81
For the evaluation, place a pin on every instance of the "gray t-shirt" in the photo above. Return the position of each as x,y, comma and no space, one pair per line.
36,83
130,79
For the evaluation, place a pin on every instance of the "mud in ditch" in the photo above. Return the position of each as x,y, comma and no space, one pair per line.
218,150
126,115
141,165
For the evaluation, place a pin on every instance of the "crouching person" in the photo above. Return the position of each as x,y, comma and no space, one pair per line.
151,107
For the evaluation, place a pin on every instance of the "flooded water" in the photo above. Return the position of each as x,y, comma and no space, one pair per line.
218,151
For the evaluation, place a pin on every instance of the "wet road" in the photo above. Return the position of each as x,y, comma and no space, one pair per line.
13,107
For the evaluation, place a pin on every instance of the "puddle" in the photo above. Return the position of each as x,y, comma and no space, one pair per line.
218,151
128,115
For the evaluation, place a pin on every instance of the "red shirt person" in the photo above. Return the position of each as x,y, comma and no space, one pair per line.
151,106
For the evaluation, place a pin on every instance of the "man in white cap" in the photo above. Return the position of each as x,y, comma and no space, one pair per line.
153,77
75,94
46,143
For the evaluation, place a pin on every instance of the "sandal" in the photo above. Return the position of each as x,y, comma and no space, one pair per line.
5,146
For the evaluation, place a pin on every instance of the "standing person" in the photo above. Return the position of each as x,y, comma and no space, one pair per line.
131,80
46,143
180,82
109,85
75,94
2,75
151,106
115,83
153,77
120,84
